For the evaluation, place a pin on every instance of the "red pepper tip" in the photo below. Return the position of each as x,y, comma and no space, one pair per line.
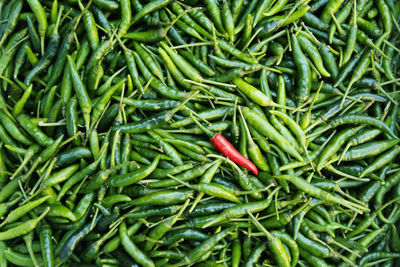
254,170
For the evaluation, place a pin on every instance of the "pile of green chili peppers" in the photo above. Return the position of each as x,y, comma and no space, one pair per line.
111,116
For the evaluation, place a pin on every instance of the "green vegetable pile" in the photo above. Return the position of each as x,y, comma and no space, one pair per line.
199,133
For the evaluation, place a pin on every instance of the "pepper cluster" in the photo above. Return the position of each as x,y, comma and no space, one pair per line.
199,132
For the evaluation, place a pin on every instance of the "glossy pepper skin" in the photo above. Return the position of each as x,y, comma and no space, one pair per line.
226,148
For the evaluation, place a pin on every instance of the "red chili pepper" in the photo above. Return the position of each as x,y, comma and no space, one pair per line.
226,148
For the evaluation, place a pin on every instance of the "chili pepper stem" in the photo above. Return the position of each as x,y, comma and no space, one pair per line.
273,104
192,45
180,181
30,153
210,82
332,169
333,241
43,177
340,191
218,219
259,226
181,105
388,96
